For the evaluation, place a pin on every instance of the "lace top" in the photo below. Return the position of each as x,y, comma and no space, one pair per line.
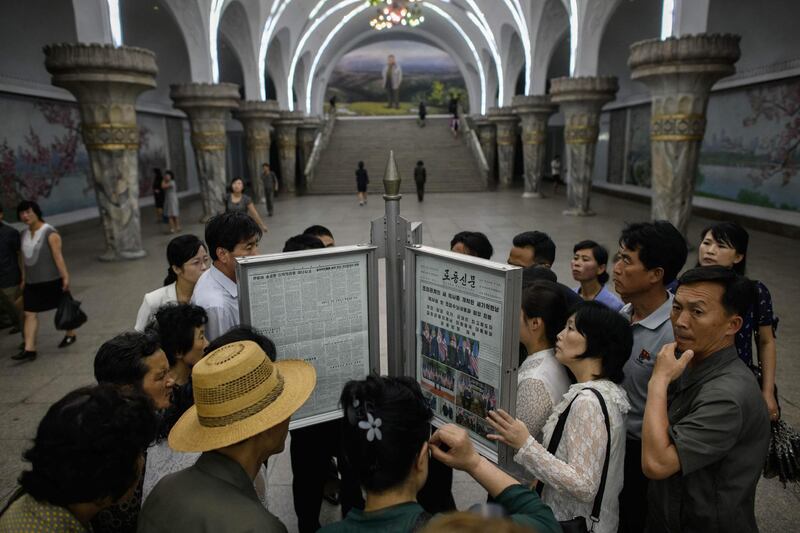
541,382
572,476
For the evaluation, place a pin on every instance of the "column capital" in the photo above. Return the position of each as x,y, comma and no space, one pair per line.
708,55
533,104
267,110
76,66
291,118
597,89
502,116
189,97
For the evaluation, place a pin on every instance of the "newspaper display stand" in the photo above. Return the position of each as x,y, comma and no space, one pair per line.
320,306
462,339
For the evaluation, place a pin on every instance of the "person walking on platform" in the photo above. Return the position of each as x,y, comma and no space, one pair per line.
422,113
270,180
171,208
420,176
46,276
158,195
362,179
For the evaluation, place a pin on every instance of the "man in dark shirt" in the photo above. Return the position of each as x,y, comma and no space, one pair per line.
11,279
705,437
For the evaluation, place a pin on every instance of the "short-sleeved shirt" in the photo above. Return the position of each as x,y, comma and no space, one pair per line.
719,424
522,504
10,245
242,205
649,336
219,296
28,515
759,314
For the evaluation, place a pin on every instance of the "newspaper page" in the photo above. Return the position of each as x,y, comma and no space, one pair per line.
459,351
316,309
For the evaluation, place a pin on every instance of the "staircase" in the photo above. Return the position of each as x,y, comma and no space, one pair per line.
449,163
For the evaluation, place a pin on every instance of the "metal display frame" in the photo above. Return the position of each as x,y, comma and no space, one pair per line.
245,266
512,297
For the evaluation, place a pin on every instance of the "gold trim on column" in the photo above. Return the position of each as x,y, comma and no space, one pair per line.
677,127
505,140
534,137
581,134
110,136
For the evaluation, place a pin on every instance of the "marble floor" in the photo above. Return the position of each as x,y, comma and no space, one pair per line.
112,293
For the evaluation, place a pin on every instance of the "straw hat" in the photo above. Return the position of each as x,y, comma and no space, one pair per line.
238,393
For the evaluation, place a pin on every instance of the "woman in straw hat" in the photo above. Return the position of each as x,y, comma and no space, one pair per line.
243,403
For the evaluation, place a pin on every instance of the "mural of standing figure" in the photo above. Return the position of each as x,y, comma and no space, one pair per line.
392,78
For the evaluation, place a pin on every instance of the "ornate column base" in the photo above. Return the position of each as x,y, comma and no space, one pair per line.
487,135
207,106
534,111
679,73
506,122
581,99
257,118
287,145
106,81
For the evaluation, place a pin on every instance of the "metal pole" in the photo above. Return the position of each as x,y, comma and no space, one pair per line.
394,269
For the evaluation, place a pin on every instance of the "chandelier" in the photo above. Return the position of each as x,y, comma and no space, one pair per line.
393,12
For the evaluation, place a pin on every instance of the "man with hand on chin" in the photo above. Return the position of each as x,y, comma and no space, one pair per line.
706,436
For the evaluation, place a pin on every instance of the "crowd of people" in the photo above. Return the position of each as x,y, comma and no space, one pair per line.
642,408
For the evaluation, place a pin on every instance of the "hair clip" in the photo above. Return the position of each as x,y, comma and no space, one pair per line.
356,403
372,425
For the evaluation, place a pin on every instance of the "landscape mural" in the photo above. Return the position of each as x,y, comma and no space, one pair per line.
429,74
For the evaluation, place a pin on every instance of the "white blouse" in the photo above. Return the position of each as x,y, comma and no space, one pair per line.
541,382
572,476
152,301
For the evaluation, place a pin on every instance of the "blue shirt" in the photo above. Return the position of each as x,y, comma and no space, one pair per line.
607,298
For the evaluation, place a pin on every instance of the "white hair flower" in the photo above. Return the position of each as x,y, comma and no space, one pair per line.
372,425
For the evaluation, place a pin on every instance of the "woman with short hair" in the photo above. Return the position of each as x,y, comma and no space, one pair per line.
46,276
187,259
387,444
594,345
725,244
236,200
87,455
589,268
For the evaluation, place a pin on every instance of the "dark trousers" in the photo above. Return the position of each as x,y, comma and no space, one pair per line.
311,450
633,498
420,191
393,97
269,196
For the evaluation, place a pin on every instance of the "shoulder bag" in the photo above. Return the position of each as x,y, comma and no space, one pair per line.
578,524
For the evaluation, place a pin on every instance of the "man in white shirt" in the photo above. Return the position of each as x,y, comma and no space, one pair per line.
228,236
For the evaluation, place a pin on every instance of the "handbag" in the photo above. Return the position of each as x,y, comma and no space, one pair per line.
69,314
578,524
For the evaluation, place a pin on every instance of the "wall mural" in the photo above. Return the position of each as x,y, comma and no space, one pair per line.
42,156
428,74
750,152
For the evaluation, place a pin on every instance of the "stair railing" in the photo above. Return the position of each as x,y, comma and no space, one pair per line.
474,145
320,143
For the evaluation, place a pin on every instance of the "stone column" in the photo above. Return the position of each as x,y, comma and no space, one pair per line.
534,111
487,135
257,118
680,73
106,82
287,145
506,122
207,105
581,100
306,133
